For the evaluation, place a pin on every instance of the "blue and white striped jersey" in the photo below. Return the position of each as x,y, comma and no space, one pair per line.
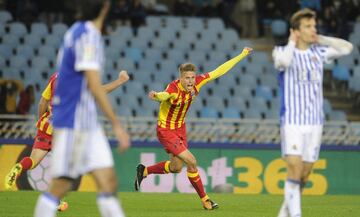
81,50
301,82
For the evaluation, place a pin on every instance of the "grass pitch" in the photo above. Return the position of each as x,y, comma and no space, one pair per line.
21,204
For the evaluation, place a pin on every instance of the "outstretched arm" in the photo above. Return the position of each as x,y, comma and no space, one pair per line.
123,78
225,67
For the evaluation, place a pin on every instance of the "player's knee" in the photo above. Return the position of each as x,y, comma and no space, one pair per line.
175,168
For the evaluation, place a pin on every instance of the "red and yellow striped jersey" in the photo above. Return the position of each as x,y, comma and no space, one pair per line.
43,123
172,111
175,101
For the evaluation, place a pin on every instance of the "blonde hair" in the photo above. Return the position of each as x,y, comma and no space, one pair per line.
301,14
185,67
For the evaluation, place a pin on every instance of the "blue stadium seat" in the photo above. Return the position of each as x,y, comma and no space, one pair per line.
228,80
145,33
18,29
215,24
139,43
153,54
347,61
208,112
221,91
231,113
354,83
203,46
248,80
53,40
25,51
32,40
173,22
129,100
188,35
192,113
123,111
242,91
264,92
237,102
279,28
10,39
257,103
194,23
133,53
215,102
272,114
176,55
341,73
134,88
255,69
2,62
252,113
154,22
18,62
160,43
116,42
143,77
47,51
269,80
227,47
168,34
169,66
337,115
196,57
125,64
40,64
148,65
156,86
163,77
230,35
260,58
209,66
39,29
59,29
6,50
5,17
112,53
122,33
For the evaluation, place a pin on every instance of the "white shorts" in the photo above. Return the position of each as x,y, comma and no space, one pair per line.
78,152
303,140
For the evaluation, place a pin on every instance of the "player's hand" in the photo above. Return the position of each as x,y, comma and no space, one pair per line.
123,76
294,35
152,94
122,137
248,50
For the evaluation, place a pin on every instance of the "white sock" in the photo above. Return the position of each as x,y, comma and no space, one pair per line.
292,197
46,206
284,210
109,205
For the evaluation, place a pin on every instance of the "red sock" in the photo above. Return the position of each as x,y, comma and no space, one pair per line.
196,182
26,163
159,168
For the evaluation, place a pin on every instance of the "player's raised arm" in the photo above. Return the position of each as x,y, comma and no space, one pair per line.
338,47
225,67
123,78
283,55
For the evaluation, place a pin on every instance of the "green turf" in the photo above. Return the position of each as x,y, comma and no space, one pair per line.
21,204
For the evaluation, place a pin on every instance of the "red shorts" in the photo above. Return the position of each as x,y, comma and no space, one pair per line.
42,141
174,141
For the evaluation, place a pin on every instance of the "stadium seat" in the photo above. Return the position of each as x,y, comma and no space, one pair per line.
341,73
209,66
133,53
156,86
248,80
32,40
39,29
40,64
279,28
337,115
354,83
228,80
230,35
155,22
18,62
257,103
215,102
112,53
129,100
204,46
25,51
53,40
347,61
176,55
173,22
221,91
327,106
208,112
237,102
272,114
255,69
168,34
230,113
160,43
5,17
125,64
59,29
163,77
242,91
169,66
47,51
252,113
139,43
264,92
148,65
259,58
10,39
217,56
2,62
215,24
188,35
6,50
196,57
269,80
145,33
123,111
122,33
153,54
143,77
116,42
18,29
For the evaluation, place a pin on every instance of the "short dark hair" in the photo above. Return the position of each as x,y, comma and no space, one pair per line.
89,9
185,67
304,13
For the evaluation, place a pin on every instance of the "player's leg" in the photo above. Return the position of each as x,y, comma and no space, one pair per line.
42,145
193,175
292,151
107,199
99,162
48,202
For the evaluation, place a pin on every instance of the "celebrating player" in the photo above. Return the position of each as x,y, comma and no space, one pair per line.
300,64
171,130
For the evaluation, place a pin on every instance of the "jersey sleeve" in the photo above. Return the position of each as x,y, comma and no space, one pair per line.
201,80
87,53
327,53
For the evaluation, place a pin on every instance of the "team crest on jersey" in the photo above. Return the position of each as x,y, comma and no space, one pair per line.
314,59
